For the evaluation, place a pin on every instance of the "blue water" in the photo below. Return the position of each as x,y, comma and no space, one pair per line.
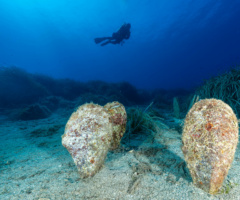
173,44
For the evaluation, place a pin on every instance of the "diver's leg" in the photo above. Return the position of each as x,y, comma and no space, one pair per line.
115,41
110,41
103,44
98,40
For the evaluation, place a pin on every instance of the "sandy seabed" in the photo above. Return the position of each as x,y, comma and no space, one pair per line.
34,165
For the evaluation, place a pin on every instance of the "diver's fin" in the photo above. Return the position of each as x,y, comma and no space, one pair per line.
98,40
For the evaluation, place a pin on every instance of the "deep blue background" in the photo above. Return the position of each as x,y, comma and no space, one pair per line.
173,43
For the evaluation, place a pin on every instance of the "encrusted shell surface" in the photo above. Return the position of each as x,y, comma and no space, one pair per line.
118,117
210,137
87,137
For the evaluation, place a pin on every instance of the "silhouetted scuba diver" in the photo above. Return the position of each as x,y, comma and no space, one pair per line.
118,37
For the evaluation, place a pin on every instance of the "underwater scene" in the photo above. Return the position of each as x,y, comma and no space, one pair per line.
119,100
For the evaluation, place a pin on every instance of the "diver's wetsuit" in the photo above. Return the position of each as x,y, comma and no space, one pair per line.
118,37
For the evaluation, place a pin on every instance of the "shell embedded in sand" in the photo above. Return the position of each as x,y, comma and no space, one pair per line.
87,137
210,137
118,117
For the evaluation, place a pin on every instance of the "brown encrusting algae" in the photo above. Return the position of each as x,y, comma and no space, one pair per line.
118,118
87,137
91,131
210,137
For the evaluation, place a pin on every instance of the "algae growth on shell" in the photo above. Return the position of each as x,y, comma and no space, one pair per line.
210,138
